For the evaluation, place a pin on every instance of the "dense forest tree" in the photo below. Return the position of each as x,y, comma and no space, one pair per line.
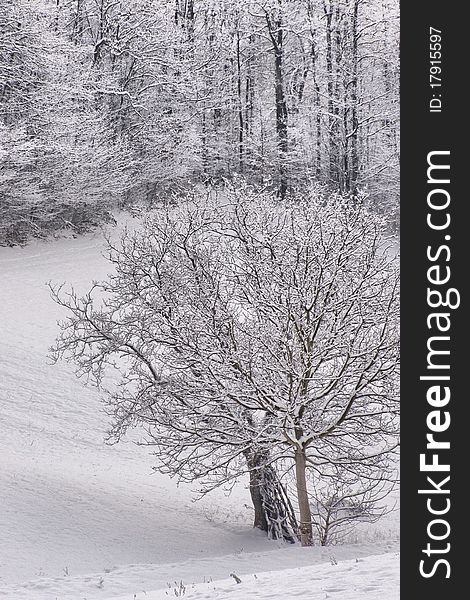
106,102
251,334
61,164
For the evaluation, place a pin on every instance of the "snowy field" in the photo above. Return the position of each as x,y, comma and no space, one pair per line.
83,520
238,577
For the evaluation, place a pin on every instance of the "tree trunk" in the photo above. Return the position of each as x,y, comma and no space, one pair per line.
340,110
354,170
332,141
57,17
184,16
276,33
273,510
281,114
241,123
260,520
305,524
204,151
249,96
317,104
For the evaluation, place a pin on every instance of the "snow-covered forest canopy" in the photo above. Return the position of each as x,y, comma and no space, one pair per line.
105,103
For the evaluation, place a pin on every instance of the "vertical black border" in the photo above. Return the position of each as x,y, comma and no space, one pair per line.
423,132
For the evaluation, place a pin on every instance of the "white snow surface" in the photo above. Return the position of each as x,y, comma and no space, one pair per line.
361,579
71,505
327,575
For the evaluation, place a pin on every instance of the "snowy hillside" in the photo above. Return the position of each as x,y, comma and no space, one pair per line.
360,579
71,505
312,574
69,502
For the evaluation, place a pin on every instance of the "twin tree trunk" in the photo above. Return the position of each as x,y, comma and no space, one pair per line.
273,510
274,513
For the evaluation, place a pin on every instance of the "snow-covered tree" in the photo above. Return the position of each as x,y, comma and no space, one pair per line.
344,496
146,96
61,166
248,334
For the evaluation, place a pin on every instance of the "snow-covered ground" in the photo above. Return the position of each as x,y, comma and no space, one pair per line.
71,505
311,574
360,579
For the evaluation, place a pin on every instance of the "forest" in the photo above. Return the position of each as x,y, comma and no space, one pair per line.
105,104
